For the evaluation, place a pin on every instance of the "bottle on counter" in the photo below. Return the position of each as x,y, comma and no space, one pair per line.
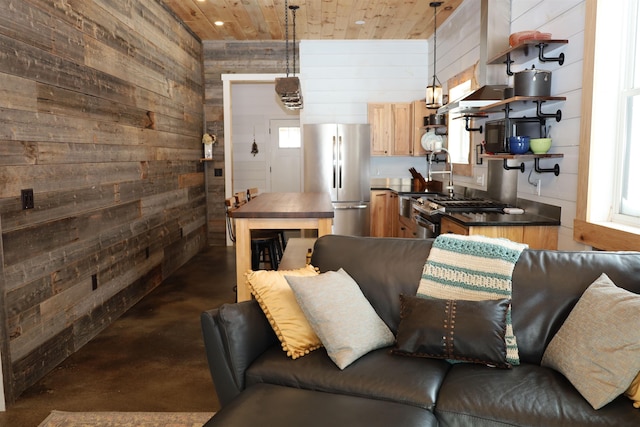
309,253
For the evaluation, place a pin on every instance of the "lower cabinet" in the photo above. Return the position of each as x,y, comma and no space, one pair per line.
384,213
537,237
407,228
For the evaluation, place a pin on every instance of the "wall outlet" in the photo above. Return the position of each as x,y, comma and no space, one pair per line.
27,198
538,187
480,179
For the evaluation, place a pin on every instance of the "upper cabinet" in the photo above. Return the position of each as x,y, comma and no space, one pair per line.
390,129
396,128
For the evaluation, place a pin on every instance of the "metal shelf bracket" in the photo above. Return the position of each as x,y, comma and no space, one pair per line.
507,167
467,128
559,59
555,169
557,115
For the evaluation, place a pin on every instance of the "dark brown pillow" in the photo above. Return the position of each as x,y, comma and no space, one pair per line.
469,331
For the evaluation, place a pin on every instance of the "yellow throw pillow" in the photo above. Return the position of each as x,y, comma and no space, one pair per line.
633,392
279,304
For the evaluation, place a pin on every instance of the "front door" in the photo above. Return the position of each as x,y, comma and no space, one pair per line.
286,156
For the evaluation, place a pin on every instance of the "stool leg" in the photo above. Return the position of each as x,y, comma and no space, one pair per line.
255,256
273,257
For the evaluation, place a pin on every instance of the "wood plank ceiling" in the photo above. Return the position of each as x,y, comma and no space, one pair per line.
315,19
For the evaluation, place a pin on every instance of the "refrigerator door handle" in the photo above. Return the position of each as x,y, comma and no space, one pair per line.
339,208
340,161
335,162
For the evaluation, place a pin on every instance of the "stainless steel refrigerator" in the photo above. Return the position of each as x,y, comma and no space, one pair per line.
336,161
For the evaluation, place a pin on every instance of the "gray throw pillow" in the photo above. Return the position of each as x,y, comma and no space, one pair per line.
598,346
340,315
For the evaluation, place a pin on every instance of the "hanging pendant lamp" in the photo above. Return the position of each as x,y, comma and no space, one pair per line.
288,88
434,90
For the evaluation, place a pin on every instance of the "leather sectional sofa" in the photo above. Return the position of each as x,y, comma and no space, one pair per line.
257,384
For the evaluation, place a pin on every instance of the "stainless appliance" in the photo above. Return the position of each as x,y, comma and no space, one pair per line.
427,212
336,161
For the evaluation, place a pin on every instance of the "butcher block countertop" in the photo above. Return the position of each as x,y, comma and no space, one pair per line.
287,205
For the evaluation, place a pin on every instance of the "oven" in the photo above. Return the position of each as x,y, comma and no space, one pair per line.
427,212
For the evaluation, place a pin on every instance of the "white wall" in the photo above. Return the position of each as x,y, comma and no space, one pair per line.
253,106
340,77
458,49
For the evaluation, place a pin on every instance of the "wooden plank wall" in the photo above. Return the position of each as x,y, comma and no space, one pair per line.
101,114
230,57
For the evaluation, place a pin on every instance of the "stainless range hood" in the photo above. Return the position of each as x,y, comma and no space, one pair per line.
472,102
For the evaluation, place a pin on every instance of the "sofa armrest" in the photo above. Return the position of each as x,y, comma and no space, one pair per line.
234,336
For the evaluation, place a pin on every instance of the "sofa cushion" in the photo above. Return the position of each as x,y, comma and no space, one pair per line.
469,331
377,375
279,305
526,395
271,405
598,346
340,315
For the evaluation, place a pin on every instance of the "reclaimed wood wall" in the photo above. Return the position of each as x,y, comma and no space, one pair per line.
230,57
101,114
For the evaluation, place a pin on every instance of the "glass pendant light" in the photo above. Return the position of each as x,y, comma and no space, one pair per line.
434,90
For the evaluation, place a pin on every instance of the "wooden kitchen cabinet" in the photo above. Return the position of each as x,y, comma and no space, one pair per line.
536,236
391,125
384,213
407,228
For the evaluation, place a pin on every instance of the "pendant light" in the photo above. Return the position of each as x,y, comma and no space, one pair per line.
288,88
434,90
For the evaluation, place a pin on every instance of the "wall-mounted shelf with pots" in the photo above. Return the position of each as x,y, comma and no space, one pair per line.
526,48
439,129
504,105
525,157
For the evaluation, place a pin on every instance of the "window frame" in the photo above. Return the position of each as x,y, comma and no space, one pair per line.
605,235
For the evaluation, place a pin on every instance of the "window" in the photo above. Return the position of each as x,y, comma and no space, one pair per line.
608,203
458,138
289,137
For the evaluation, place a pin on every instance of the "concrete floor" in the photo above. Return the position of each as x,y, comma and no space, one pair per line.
150,359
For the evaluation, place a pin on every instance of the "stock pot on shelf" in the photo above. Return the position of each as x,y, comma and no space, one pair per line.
532,82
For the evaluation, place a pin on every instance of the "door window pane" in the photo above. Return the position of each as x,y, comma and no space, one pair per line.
289,137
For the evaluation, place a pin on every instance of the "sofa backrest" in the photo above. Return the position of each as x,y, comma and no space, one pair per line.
546,284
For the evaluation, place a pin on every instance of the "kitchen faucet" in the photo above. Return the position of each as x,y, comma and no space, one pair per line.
443,172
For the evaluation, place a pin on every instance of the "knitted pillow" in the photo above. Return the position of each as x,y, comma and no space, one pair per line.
278,303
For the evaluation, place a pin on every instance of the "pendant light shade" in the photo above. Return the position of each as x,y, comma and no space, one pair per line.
434,90
288,88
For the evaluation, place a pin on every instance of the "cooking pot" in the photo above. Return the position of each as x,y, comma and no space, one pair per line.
437,119
532,83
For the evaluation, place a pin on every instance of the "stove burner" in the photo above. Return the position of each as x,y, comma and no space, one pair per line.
465,204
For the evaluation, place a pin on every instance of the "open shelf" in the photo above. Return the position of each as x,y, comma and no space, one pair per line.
496,106
526,48
524,157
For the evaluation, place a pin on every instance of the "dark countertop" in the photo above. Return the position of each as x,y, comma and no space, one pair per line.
287,205
497,219
401,189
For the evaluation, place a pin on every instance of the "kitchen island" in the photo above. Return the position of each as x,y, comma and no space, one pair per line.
283,211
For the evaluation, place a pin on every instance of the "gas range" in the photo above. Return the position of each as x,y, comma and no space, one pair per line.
463,204
427,211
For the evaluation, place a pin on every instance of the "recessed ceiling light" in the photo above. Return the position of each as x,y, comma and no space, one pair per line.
360,22
219,23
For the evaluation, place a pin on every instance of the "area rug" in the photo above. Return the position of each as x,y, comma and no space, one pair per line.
126,419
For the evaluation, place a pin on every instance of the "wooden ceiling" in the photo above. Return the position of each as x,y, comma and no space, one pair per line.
315,19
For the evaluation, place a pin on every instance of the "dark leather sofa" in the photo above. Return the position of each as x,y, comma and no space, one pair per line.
252,374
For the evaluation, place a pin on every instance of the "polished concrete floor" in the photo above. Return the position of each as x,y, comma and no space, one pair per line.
150,359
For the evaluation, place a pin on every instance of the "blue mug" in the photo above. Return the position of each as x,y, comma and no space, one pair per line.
518,144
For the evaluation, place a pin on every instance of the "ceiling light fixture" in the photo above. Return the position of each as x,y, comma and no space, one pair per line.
219,23
434,91
288,88
360,22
